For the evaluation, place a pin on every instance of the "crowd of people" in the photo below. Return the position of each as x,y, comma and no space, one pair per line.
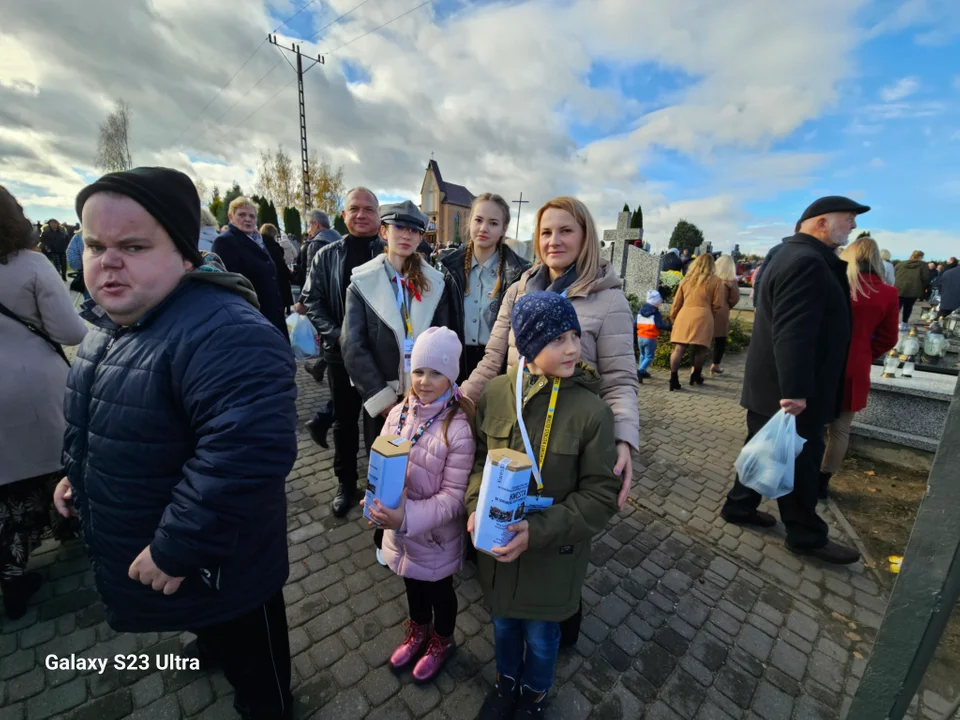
178,426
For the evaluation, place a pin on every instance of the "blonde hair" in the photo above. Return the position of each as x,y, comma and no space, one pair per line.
468,241
862,256
239,202
463,404
726,269
916,255
269,229
588,262
885,255
206,217
700,270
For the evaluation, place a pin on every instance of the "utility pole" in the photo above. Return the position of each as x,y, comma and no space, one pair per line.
519,203
304,162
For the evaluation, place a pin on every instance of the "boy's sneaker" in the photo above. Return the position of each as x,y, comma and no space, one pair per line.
530,704
500,702
380,558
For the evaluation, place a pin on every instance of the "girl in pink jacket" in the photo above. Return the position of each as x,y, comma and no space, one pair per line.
426,544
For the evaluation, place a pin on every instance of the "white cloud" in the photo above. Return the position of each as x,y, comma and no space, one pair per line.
936,244
492,90
956,82
875,164
902,88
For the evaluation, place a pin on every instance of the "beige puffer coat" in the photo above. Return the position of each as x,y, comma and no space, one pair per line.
607,329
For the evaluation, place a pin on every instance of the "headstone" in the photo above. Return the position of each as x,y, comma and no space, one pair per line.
638,270
620,240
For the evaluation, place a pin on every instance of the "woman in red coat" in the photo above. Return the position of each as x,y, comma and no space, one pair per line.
875,308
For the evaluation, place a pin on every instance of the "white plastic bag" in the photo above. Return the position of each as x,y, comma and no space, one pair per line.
303,337
766,462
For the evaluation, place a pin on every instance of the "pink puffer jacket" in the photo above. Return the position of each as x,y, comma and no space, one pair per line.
430,544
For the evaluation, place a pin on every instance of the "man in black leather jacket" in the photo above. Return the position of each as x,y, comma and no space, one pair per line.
324,296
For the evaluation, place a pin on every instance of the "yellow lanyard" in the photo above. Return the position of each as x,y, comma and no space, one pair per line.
548,426
402,305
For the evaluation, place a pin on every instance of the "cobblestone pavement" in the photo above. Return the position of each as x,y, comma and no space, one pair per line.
686,618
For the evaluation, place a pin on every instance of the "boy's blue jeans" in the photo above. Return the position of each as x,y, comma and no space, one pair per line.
648,348
535,668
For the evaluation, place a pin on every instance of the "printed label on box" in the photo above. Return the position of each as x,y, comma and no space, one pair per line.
502,499
386,473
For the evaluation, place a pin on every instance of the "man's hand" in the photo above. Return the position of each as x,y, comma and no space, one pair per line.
512,550
794,407
389,518
470,522
300,308
146,571
623,468
63,499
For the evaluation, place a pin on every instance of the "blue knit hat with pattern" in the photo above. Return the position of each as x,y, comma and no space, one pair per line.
539,318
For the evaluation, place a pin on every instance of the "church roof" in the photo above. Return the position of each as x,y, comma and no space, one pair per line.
454,194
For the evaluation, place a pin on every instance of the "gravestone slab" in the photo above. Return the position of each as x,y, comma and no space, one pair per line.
906,411
637,269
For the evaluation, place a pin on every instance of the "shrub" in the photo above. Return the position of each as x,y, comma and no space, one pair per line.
737,339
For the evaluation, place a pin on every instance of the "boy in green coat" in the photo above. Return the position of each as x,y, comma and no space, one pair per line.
534,582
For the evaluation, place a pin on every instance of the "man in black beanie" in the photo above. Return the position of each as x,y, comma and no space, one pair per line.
168,460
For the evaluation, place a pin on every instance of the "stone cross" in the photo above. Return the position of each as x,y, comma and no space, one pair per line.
621,239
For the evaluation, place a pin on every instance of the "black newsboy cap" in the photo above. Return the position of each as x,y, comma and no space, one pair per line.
168,195
832,204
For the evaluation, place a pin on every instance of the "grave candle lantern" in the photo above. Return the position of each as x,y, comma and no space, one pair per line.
934,344
890,364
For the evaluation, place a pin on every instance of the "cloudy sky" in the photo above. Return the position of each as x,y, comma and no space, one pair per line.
733,115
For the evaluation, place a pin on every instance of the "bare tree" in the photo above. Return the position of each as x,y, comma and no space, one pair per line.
326,186
113,148
275,178
202,191
284,176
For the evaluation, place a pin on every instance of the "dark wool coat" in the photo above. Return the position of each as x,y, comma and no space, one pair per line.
242,255
801,332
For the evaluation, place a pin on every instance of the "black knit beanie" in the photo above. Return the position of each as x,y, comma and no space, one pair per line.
168,195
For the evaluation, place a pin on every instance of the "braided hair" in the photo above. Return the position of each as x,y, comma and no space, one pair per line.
468,253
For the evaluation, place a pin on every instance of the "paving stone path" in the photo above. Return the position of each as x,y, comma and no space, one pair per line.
686,618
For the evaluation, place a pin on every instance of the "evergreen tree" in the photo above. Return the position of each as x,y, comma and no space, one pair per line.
232,194
339,225
626,208
272,210
216,203
291,222
637,220
263,211
686,236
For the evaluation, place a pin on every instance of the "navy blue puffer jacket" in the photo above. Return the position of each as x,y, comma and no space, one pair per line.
181,430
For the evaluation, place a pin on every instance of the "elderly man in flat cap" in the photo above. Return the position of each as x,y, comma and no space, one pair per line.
796,362
181,430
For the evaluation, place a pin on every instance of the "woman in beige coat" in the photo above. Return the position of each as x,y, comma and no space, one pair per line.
32,387
568,261
694,311
727,272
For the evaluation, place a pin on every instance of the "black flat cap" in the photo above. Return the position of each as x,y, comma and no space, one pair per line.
832,204
403,214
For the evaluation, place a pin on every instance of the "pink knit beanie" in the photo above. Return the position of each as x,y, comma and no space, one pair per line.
437,348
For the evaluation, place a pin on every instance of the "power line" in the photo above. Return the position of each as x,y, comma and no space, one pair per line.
334,22
271,98
425,2
232,77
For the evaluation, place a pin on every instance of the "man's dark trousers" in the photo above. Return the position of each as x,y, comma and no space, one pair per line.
254,652
59,260
798,510
347,407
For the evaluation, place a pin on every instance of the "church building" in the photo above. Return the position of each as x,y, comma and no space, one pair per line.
447,206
